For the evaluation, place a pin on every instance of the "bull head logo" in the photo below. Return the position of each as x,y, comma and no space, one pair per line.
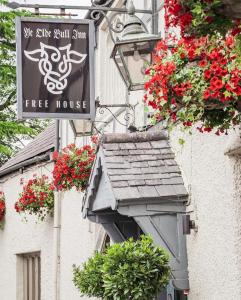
55,80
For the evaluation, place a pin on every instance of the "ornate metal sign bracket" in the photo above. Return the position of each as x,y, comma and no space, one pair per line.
129,116
97,10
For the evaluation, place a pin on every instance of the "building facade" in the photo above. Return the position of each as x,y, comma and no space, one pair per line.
210,166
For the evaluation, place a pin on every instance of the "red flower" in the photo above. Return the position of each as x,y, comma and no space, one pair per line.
74,166
214,67
206,95
209,19
203,63
55,155
36,198
207,129
191,54
2,206
207,74
169,90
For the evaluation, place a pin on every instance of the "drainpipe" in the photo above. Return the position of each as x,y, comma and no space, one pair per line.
57,228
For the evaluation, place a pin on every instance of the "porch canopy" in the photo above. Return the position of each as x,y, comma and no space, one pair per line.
136,186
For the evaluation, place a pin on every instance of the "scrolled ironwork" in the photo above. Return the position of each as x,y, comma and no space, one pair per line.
101,3
113,27
117,27
129,117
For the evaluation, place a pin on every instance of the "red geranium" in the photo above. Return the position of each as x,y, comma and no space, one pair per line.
2,208
73,167
37,197
199,17
199,81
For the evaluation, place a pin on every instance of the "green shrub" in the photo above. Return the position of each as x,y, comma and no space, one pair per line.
89,280
135,270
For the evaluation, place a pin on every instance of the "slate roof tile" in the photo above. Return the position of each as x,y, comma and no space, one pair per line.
156,163
165,156
170,162
173,169
124,171
144,168
111,146
174,180
145,145
112,159
136,182
127,146
148,191
116,153
136,152
154,170
153,182
166,190
126,193
180,190
148,157
141,164
120,165
119,184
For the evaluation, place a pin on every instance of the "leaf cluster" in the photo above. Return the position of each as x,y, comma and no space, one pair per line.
12,132
129,270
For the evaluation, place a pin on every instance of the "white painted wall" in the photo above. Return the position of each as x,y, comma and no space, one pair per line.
210,176
19,237
78,240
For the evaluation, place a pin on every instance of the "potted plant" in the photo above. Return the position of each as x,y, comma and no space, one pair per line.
2,209
129,270
73,167
201,17
37,197
200,81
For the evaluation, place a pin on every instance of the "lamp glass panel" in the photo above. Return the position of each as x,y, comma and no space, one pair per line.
83,126
137,56
122,69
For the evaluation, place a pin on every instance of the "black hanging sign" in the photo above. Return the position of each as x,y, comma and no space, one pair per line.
55,68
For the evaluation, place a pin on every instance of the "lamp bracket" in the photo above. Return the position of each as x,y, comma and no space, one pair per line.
188,224
129,116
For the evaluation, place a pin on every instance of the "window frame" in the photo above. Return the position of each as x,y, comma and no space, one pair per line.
28,276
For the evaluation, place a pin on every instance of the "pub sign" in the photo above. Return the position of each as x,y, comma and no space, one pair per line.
55,68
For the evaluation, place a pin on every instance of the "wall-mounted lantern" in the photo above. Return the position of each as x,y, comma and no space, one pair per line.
132,52
82,127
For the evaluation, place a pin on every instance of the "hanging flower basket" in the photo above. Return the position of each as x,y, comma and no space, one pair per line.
2,209
199,82
37,198
73,167
201,17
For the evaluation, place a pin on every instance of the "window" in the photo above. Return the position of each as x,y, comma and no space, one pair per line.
28,276
106,243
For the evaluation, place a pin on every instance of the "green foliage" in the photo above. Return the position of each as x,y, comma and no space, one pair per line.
89,279
12,132
130,270
207,17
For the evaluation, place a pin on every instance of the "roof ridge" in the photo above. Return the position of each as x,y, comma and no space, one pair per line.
136,137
